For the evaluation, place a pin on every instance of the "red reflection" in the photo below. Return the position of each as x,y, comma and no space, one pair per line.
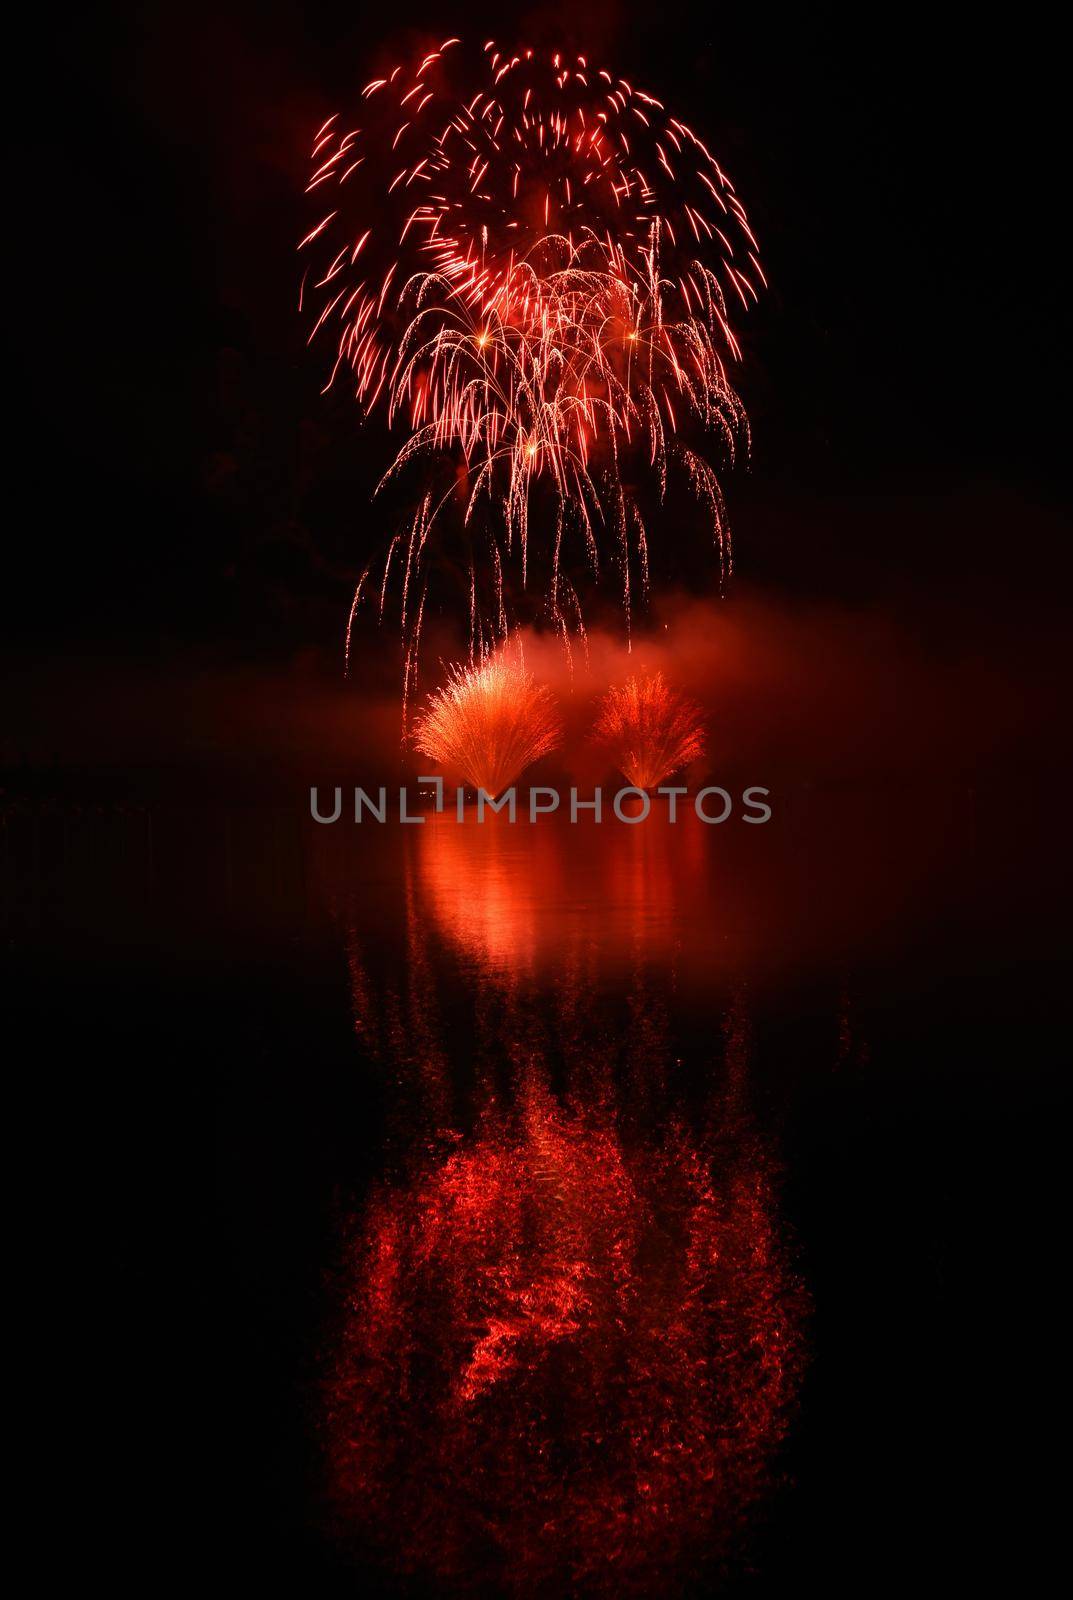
566,1354
492,887
511,897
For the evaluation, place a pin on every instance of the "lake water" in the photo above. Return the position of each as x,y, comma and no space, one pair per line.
550,1209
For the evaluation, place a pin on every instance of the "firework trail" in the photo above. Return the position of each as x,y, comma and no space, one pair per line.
528,264
489,722
650,730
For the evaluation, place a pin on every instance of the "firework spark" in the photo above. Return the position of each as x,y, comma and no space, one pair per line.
530,265
489,722
650,729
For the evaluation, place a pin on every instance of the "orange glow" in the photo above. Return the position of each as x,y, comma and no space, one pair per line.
515,897
488,723
651,731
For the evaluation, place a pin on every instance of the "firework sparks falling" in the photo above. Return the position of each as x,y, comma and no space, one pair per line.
650,729
489,722
530,265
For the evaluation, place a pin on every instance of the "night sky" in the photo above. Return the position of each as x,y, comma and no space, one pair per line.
187,518
189,489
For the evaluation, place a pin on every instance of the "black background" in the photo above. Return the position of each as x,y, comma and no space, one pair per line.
906,377
181,495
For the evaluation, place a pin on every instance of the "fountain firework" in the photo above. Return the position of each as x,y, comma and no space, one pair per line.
489,722
650,729
528,263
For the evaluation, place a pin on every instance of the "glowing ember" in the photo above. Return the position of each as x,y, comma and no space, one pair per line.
565,1359
650,730
488,723
530,263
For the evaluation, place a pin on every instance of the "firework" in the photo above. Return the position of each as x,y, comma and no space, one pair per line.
529,264
489,722
650,730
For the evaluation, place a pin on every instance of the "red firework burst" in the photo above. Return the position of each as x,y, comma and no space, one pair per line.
649,729
489,722
531,264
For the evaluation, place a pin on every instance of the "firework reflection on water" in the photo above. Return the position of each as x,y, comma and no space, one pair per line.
568,1339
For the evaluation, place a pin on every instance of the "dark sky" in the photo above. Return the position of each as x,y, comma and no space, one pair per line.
181,498
190,490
